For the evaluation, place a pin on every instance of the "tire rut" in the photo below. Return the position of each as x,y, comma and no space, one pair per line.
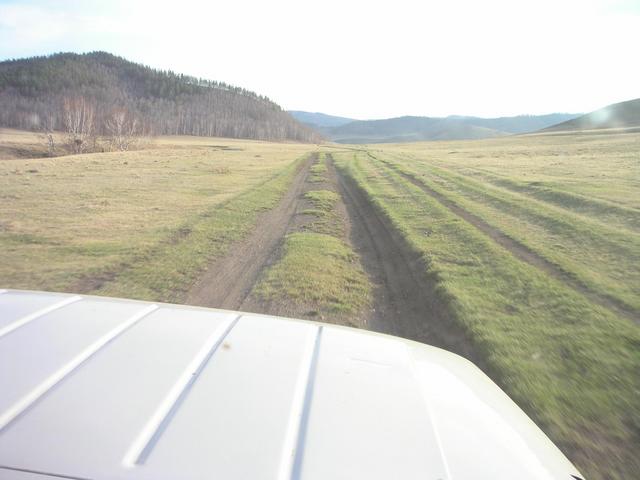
229,279
517,249
406,303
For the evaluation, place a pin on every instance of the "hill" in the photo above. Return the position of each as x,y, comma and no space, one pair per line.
519,123
319,120
618,115
45,92
412,129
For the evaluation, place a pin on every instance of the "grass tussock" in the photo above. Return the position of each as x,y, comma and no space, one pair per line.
318,170
323,200
326,218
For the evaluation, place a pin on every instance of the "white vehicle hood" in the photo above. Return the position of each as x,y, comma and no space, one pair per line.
98,388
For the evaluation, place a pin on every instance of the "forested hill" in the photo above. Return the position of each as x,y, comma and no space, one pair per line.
35,94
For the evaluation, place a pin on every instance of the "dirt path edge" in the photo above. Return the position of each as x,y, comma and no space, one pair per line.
229,279
408,301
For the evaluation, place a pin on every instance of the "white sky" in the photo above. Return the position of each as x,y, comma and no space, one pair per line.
362,59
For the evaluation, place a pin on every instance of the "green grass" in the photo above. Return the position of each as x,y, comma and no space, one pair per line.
602,211
323,200
317,271
601,257
571,364
326,220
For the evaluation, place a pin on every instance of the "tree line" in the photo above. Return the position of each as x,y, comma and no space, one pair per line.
101,94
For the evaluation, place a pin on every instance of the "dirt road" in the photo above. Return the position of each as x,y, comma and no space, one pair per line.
405,302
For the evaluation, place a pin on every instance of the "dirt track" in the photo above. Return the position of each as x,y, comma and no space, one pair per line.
405,303
299,221
229,280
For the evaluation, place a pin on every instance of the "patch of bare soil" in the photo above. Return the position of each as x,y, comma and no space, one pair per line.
522,252
229,280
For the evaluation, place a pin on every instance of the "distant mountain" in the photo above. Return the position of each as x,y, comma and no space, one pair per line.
407,129
618,115
319,120
413,129
38,92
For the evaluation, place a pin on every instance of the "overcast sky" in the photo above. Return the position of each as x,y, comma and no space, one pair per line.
362,59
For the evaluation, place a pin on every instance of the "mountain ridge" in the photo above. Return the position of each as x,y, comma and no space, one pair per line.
410,128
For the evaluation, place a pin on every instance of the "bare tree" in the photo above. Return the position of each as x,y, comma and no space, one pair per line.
78,119
122,127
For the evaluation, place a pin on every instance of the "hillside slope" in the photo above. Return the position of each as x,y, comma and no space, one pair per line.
520,123
412,129
618,115
34,92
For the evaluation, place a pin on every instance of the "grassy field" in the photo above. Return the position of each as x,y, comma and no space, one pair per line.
100,222
591,239
598,168
565,346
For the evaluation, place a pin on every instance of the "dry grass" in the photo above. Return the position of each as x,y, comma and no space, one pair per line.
603,167
63,219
